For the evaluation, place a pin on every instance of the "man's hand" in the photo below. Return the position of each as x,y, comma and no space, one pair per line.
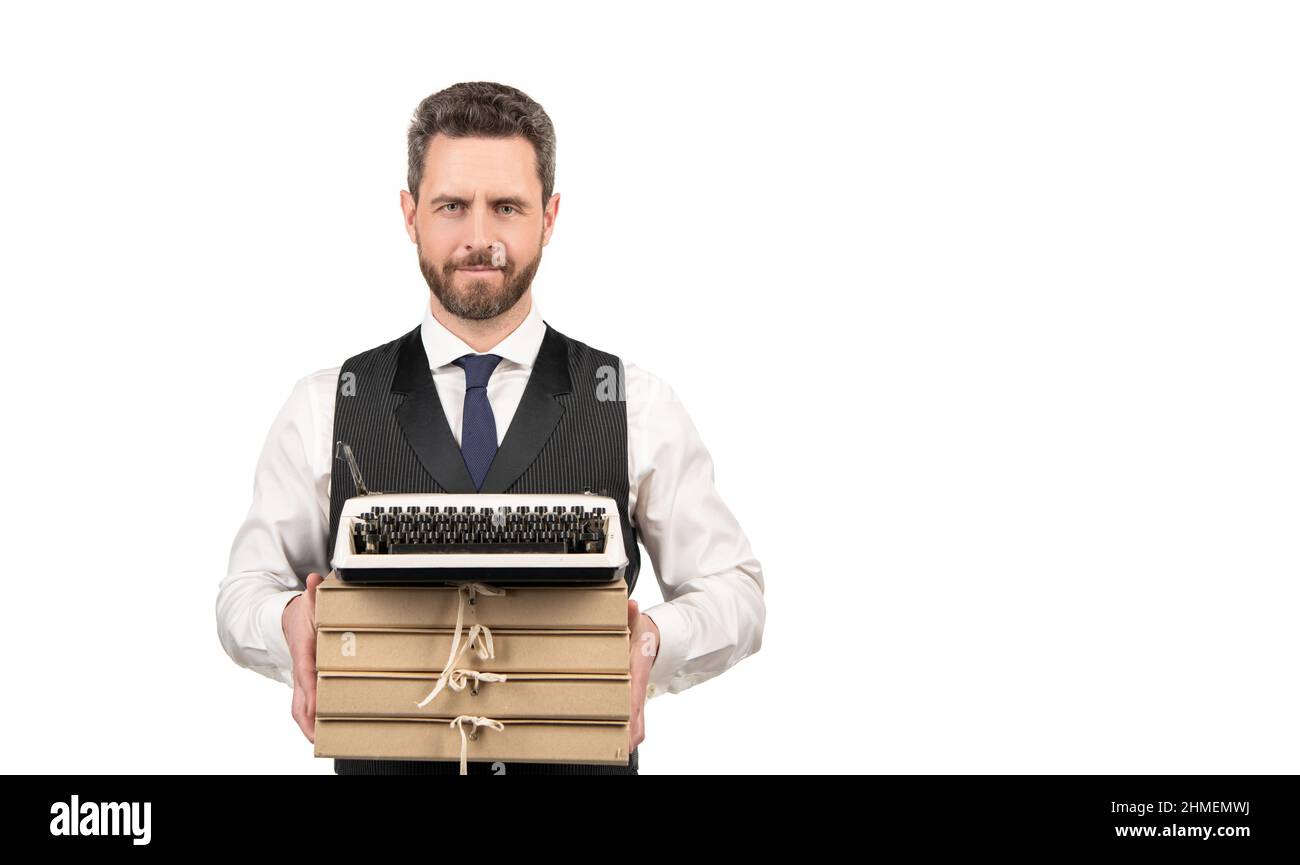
299,623
644,650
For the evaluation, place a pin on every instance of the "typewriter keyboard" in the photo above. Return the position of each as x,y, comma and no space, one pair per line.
520,529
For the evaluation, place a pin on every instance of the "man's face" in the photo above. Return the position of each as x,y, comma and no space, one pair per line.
479,226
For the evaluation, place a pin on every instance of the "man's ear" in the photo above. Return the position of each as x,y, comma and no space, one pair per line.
548,218
408,213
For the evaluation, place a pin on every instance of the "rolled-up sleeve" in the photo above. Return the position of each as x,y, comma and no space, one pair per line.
713,610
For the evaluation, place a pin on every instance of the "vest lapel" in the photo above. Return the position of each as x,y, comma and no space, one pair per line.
537,416
423,421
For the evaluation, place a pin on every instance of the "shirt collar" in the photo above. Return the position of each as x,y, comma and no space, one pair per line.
520,346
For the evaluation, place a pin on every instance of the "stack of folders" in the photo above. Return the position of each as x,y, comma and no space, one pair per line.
473,672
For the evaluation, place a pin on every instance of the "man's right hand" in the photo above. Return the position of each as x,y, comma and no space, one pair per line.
299,623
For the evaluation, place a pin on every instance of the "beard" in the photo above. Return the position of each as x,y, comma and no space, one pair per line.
478,297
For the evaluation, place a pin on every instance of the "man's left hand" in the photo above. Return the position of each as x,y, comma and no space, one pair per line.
644,650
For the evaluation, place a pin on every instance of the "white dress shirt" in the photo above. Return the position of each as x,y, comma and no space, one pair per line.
713,610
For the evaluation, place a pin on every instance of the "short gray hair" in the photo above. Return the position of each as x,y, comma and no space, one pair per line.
480,109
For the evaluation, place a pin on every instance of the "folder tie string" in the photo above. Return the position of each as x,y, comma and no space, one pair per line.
473,590
480,637
460,676
459,724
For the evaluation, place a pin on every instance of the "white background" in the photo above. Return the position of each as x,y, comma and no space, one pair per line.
987,313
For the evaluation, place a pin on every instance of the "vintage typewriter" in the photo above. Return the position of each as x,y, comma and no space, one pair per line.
502,539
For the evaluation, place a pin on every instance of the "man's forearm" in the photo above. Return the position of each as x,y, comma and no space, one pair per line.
249,609
281,540
711,624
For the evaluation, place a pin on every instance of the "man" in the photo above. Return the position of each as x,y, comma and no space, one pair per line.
484,396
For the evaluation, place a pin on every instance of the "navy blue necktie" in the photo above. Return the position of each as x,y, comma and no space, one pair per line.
478,432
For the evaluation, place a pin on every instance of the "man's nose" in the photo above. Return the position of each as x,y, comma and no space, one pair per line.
479,230
478,252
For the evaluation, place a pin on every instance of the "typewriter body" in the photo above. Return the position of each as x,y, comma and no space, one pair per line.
497,538
501,539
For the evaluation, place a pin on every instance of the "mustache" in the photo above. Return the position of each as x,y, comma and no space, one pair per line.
476,260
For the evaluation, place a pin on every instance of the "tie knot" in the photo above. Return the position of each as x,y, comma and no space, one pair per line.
478,368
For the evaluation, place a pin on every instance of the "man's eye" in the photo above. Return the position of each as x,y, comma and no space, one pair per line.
453,204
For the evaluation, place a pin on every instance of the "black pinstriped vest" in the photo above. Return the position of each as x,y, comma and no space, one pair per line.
569,434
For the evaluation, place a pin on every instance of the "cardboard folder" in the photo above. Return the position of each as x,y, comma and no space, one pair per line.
567,696
600,607
521,740
420,650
